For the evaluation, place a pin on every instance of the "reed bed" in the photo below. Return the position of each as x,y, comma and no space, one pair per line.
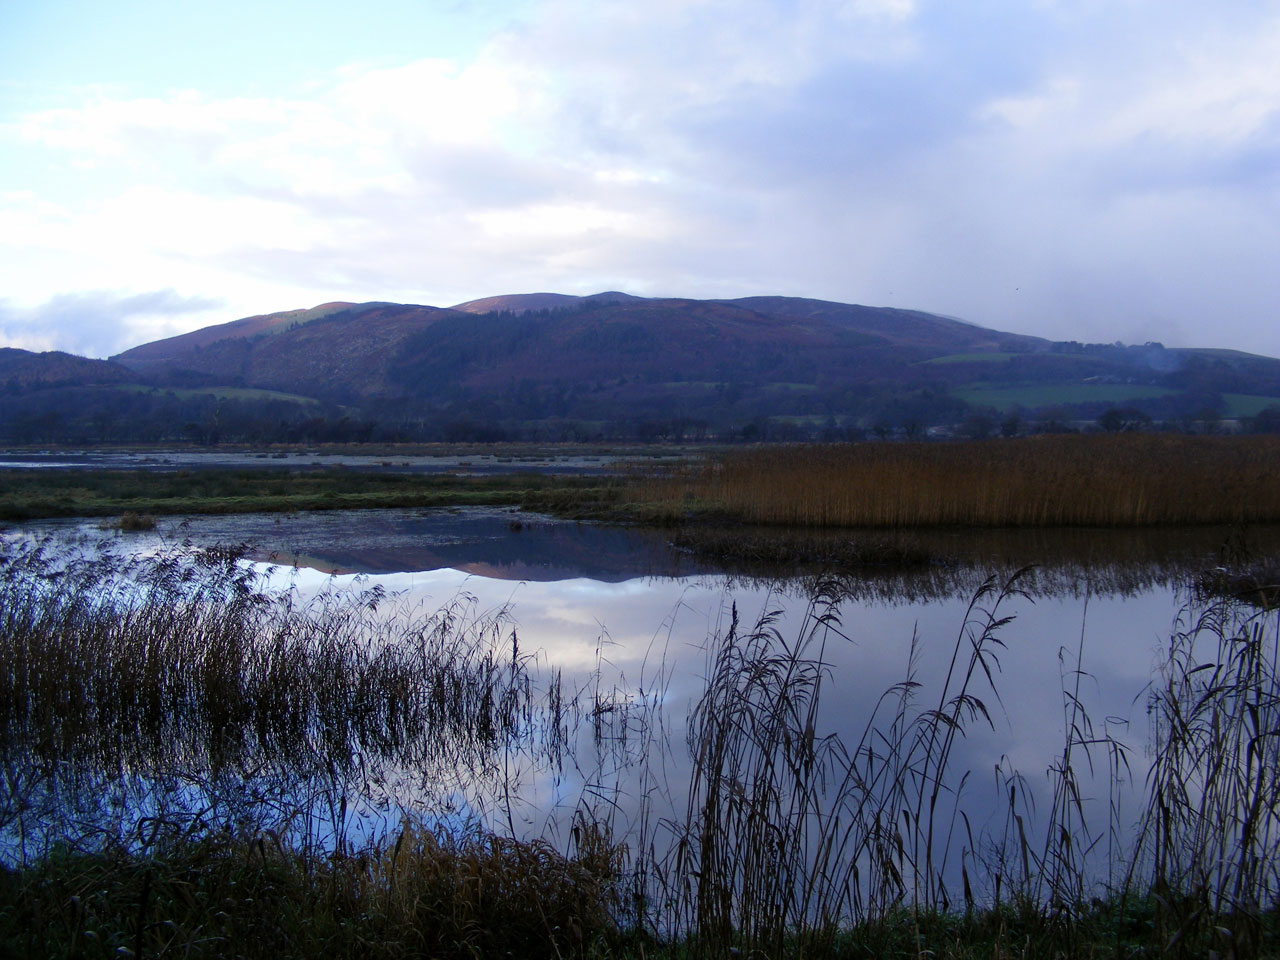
798,841
130,682
794,835
1125,480
1211,829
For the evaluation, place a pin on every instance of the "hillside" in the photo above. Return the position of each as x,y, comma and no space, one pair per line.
172,349
525,302
25,369
354,352
548,366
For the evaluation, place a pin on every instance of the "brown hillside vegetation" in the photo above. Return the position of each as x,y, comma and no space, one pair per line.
23,368
343,351
1125,480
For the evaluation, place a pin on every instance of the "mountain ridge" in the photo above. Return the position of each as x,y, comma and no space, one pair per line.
617,365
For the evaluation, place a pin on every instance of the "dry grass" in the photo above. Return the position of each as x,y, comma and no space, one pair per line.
172,684
1127,480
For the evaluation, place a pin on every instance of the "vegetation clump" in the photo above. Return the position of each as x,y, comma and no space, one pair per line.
130,522
193,889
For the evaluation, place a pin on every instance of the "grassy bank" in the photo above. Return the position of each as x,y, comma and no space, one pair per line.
31,494
1123,480
185,761
187,892
427,895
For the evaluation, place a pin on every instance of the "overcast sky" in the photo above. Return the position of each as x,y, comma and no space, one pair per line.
1076,169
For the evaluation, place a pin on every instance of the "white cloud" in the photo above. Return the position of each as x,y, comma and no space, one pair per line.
1109,165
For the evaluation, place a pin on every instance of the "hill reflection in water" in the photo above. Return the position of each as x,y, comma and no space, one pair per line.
505,544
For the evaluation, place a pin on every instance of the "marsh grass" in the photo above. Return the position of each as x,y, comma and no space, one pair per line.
1212,827
27,494
793,834
801,842
251,725
130,522
1127,480
191,889
129,682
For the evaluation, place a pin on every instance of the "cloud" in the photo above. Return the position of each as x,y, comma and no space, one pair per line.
95,323
1075,170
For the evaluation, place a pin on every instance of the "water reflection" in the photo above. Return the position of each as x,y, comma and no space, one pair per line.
609,670
889,567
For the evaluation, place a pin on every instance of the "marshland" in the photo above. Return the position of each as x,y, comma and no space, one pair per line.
495,731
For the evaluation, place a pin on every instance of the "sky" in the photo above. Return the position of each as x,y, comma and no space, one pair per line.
1092,170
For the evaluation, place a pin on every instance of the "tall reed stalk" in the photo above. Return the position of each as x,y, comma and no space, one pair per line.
793,833
1212,825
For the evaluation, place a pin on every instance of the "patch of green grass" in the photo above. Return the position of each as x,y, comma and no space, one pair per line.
29,494
1054,394
1221,352
222,393
809,419
994,357
1247,405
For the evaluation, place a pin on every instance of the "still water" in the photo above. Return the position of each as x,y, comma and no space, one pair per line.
629,624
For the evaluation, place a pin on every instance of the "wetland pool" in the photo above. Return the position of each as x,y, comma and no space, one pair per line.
631,631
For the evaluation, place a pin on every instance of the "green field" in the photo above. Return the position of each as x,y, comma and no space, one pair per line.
973,358
1247,405
1031,396
222,393
1054,394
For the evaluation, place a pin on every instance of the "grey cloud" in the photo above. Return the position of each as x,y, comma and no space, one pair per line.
822,110
484,178
883,180
94,323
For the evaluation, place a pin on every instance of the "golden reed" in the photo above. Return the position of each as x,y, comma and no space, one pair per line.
1126,480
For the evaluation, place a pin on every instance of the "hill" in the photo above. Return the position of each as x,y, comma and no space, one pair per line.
524,302
353,352
24,369
552,366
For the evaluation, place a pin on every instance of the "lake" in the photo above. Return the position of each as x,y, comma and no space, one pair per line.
637,657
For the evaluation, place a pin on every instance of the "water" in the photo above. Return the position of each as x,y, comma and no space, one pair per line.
630,625
476,464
